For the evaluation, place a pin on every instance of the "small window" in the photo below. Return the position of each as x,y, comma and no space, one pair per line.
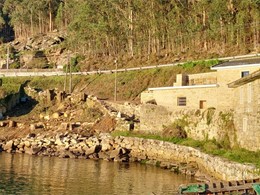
181,101
203,104
244,73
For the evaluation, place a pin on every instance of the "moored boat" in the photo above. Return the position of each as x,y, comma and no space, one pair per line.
245,187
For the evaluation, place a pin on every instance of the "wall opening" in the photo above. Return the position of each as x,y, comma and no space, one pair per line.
181,101
244,73
203,104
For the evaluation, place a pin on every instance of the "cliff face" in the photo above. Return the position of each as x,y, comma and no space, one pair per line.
41,51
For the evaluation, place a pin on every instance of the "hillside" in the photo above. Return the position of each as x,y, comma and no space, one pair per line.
129,84
93,34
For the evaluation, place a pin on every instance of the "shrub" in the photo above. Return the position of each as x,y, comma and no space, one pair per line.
15,65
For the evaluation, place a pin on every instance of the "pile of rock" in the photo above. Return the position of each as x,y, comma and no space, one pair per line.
102,146
66,145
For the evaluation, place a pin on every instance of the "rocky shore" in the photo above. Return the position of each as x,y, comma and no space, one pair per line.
180,159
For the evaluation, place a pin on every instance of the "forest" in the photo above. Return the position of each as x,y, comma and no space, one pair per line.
138,27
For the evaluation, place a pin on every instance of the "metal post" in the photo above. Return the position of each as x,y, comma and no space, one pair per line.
115,92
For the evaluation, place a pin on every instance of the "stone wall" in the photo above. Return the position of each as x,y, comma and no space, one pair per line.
225,95
247,115
198,124
104,146
165,151
203,78
153,117
126,108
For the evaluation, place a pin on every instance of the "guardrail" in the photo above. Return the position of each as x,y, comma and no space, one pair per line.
55,72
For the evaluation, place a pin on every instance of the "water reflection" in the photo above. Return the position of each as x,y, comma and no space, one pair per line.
25,174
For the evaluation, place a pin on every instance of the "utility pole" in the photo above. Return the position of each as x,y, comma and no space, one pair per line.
70,78
65,83
115,92
7,57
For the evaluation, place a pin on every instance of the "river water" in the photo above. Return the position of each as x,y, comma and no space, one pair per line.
26,174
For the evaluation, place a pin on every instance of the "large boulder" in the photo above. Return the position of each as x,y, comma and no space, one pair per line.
8,147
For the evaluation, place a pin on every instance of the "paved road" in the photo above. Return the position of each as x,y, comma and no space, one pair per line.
22,72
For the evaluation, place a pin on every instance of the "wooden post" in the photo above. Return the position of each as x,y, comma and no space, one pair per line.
65,83
70,78
115,92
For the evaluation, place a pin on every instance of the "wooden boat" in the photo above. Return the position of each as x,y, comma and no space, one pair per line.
245,187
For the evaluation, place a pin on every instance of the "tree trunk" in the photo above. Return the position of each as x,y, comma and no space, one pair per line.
31,22
130,36
50,17
149,44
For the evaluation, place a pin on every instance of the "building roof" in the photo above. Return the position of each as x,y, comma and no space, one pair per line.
249,78
237,63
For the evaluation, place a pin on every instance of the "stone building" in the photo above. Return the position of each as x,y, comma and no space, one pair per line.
247,110
205,90
231,91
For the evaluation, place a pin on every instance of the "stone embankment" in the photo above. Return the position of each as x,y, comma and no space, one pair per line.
177,158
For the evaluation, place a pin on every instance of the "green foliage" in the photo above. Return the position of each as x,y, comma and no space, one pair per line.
206,63
15,65
208,115
158,163
189,65
74,61
177,128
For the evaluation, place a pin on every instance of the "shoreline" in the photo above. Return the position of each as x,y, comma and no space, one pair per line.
176,158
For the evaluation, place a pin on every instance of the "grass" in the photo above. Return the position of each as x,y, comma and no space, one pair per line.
210,147
129,84
207,64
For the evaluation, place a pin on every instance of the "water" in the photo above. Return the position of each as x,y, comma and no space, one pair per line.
25,174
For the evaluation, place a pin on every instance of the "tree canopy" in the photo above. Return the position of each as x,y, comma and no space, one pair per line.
137,27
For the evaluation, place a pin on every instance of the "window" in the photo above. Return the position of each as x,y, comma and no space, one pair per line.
181,101
244,73
203,104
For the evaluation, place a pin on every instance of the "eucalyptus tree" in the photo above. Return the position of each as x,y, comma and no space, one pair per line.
2,20
15,10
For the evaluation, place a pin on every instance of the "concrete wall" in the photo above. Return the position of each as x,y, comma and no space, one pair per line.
168,98
247,115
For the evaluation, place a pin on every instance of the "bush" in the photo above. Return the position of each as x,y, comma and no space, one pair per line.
15,65
176,129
